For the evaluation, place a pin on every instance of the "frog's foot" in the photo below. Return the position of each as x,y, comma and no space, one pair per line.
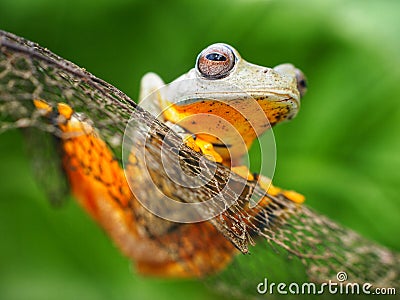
267,185
63,110
64,117
195,143
190,141
206,148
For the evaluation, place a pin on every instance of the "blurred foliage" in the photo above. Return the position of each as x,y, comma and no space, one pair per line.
342,151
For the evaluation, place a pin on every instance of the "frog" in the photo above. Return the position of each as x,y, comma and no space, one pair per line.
188,105
223,104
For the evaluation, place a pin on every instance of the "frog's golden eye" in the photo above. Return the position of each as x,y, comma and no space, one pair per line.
301,82
216,61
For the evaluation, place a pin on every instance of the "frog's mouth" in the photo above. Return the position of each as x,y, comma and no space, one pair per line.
225,96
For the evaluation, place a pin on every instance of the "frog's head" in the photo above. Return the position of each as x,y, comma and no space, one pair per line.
231,100
221,74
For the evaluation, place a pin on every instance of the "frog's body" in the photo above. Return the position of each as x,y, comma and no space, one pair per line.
226,102
225,92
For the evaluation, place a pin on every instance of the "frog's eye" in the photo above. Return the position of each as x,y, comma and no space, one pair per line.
301,82
216,61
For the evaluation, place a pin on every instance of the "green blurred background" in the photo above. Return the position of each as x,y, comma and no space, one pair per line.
342,151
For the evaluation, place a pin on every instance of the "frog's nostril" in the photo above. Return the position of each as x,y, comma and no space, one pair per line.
266,71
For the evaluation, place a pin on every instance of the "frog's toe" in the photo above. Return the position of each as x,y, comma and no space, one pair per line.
191,143
208,150
267,185
294,196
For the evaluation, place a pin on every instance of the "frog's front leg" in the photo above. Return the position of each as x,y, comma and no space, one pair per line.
152,98
151,93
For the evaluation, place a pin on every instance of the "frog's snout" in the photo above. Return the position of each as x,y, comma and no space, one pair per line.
291,71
